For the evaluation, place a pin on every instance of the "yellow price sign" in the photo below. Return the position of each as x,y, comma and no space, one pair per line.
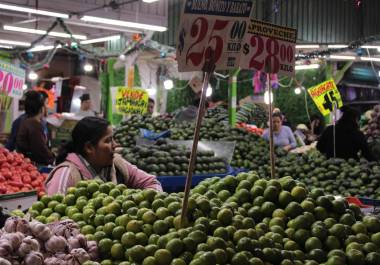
131,100
325,96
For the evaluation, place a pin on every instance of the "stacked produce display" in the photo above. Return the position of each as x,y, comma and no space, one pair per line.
251,113
35,243
18,174
234,220
166,159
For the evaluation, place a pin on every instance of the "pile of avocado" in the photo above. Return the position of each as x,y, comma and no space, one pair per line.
167,159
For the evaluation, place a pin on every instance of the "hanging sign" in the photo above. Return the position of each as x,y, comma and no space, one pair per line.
12,80
269,48
212,25
129,100
325,96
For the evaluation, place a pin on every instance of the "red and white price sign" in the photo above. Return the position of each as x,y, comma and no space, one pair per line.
269,48
212,25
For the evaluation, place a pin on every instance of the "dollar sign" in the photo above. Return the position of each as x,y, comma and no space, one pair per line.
246,48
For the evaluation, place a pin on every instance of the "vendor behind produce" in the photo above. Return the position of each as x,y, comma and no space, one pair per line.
151,104
349,140
31,138
91,154
282,135
85,106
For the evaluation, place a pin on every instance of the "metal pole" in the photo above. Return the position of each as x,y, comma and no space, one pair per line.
208,69
271,146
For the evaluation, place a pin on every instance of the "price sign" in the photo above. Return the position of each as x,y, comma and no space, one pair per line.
129,100
325,96
269,48
207,25
12,80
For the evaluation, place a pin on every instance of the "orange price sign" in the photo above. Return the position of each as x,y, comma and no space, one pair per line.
269,48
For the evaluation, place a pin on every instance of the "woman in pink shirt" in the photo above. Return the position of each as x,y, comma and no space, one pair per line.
91,154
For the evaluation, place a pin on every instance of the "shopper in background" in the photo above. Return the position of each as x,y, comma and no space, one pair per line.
189,113
302,135
91,154
86,106
282,135
31,139
316,125
11,143
349,140
151,104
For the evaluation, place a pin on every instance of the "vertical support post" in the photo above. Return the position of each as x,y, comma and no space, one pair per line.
232,97
271,145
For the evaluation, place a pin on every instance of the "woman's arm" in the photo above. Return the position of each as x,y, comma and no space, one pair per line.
291,138
59,181
139,179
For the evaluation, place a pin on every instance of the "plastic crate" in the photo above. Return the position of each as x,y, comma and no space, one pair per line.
177,183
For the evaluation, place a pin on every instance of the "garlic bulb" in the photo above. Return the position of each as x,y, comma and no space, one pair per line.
14,238
34,258
40,230
4,261
80,255
28,245
56,244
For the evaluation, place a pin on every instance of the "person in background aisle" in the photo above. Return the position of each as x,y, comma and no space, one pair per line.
282,135
349,140
302,135
151,104
31,139
316,125
86,106
285,121
11,143
91,154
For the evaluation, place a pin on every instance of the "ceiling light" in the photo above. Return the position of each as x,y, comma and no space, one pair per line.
114,37
342,57
370,47
33,11
337,46
168,84
307,46
122,57
88,67
40,48
209,91
151,91
149,1
371,59
32,75
24,87
6,46
307,66
266,97
17,43
297,90
43,32
123,23
379,73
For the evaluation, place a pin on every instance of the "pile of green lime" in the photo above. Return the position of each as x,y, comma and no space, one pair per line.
234,220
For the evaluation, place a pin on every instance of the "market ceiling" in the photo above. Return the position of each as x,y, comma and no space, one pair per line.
89,20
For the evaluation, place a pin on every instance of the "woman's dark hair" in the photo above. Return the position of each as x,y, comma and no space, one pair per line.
34,102
349,118
277,115
88,130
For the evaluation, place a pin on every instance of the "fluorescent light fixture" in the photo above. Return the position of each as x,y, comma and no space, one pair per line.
209,91
370,47
266,97
123,23
17,43
88,67
378,73
168,84
307,46
307,67
114,37
150,1
33,11
77,87
371,59
43,32
40,48
6,46
342,57
337,46
151,91
297,90
32,75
